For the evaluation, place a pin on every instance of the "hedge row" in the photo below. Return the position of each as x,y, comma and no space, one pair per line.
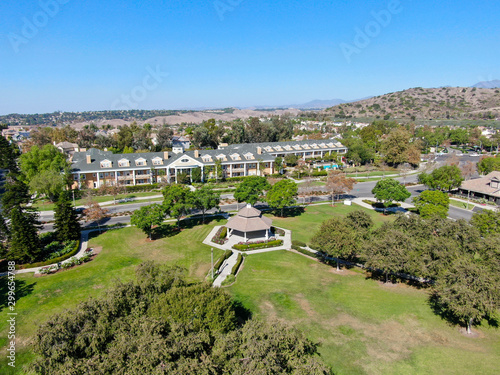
236,267
296,244
51,261
380,204
254,246
305,252
221,260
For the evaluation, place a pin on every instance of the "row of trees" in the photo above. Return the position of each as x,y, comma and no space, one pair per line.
461,259
179,200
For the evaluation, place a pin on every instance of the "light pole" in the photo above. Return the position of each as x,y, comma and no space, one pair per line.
212,257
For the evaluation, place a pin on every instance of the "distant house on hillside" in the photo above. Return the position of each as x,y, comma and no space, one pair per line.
487,187
68,148
180,141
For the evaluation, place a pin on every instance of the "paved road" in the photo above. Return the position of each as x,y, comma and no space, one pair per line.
361,189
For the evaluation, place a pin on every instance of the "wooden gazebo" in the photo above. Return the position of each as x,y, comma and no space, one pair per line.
249,220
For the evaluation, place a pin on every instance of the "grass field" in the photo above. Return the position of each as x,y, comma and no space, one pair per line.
363,326
123,250
303,227
460,204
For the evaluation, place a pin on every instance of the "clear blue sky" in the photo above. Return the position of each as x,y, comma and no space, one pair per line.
86,55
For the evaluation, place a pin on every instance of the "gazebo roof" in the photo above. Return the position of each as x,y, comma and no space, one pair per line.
249,219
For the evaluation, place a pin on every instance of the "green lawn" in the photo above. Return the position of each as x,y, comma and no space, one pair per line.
363,326
460,204
303,227
123,249
44,205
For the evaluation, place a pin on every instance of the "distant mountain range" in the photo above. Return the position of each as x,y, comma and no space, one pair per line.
494,84
457,103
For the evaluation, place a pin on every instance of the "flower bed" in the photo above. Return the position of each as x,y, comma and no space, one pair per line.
243,246
220,237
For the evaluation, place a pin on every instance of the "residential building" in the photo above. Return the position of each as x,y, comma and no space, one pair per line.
487,187
94,167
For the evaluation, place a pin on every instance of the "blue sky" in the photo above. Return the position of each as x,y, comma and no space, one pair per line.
75,55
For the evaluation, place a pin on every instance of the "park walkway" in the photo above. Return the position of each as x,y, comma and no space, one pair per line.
84,241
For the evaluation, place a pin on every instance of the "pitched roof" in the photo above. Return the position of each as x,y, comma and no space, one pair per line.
249,219
484,184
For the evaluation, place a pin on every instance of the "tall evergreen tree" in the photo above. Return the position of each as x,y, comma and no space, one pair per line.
66,224
24,244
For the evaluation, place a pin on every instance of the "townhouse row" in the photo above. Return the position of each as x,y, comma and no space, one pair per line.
94,168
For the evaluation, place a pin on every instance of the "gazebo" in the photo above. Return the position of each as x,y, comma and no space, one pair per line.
249,220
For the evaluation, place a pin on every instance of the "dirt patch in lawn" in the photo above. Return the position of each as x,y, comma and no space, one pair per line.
304,305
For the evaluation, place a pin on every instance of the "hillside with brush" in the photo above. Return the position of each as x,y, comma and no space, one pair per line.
418,103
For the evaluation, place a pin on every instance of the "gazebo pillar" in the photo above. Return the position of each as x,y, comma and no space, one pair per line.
267,234
245,234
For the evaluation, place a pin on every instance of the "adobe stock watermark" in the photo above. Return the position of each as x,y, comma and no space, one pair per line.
372,29
139,93
225,6
11,315
32,25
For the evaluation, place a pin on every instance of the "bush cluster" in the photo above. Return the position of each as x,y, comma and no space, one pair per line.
237,265
242,246
220,236
296,244
221,260
53,260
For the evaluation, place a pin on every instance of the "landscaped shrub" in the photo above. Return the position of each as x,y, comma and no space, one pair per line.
296,244
63,251
218,238
320,173
48,269
51,261
257,245
380,204
278,231
223,233
306,252
236,267
221,260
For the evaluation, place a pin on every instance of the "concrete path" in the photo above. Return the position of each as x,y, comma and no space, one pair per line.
226,268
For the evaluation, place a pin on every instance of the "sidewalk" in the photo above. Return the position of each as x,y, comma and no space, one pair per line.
226,268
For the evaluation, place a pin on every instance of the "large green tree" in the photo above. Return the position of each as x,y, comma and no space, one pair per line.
205,198
147,217
251,189
337,238
389,190
177,201
66,224
445,178
37,160
398,149
24,244
488,164
282,194
390,251
487,222
469,291
431,203
160,324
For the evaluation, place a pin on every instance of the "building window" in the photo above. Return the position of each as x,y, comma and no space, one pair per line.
94,175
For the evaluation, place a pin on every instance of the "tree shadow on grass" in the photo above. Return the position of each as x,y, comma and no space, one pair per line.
242,313
22,289
439,309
